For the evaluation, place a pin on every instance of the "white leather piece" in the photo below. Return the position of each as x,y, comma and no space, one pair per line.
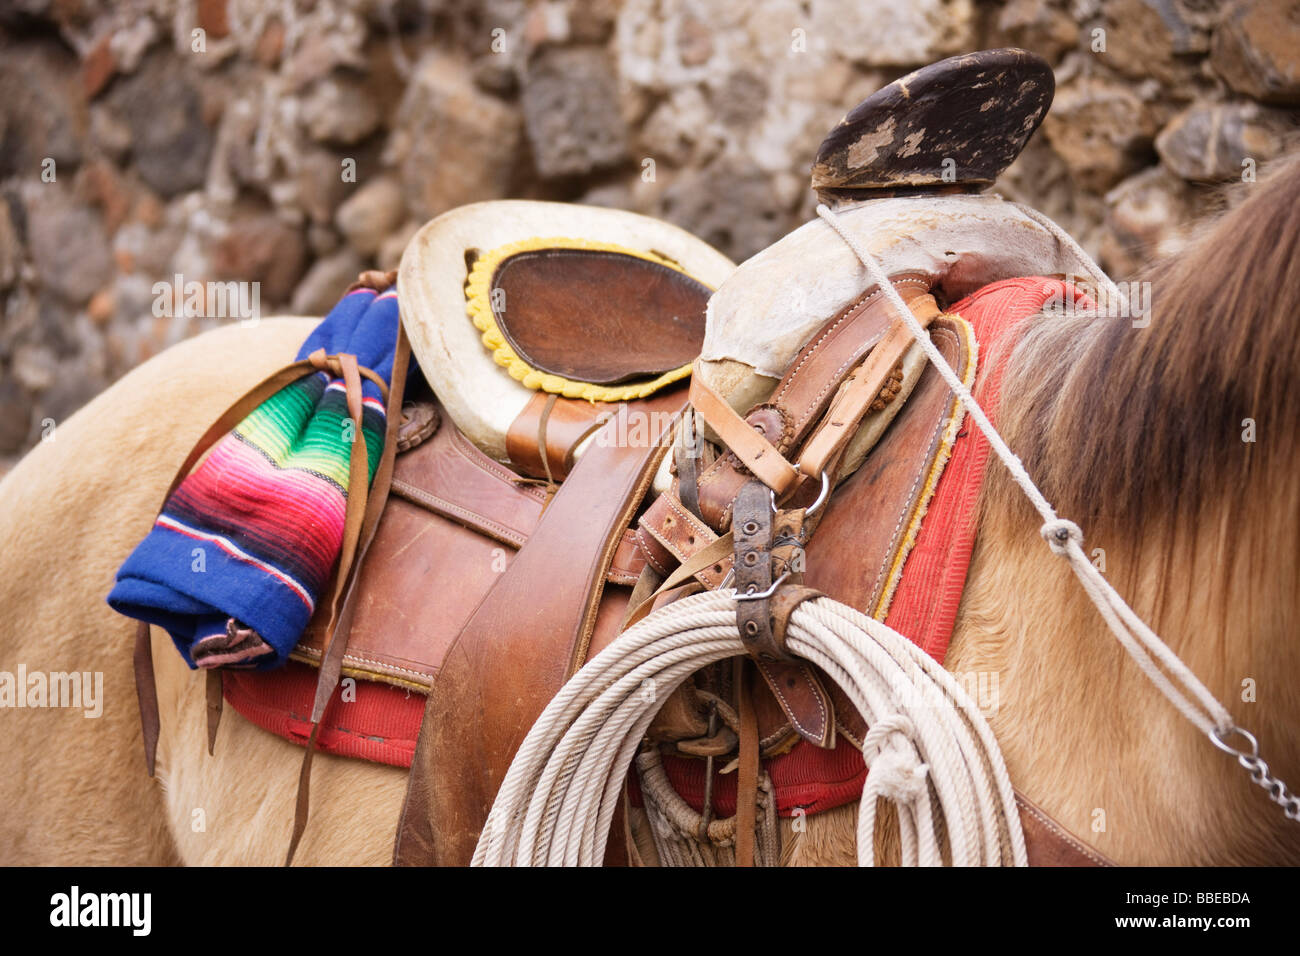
774,302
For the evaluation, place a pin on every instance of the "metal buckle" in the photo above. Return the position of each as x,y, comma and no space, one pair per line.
749,595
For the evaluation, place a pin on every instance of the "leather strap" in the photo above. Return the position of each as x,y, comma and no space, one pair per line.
748,444
861,389
216,699
522,644
1047,843
747,771
365,504
542,439
145,682
686,459
752,528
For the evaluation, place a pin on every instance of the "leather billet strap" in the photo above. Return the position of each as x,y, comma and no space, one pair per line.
752,530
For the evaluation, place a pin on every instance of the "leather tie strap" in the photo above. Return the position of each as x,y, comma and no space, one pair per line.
748,444
145,680
361,520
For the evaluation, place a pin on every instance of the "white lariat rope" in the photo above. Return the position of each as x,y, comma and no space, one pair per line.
929,749
1184,690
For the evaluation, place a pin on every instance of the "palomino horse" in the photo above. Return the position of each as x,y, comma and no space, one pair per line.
1172,445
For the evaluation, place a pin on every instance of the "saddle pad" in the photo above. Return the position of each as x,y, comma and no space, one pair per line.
807,779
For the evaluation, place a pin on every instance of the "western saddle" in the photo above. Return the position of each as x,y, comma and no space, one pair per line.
559,472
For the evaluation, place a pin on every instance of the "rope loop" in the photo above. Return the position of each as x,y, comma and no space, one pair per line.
1058,534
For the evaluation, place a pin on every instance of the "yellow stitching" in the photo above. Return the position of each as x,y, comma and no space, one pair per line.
478,305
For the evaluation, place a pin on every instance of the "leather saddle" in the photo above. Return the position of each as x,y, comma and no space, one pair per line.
507,554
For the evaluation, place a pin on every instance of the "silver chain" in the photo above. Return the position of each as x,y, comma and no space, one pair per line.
1250,761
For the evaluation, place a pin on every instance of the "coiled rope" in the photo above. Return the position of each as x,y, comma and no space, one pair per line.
929,750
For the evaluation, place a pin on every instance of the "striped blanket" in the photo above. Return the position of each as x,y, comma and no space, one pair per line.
234,564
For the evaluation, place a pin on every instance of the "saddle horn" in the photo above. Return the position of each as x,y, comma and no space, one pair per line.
952,126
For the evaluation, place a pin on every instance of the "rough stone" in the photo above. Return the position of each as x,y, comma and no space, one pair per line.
68,245
260,247
727,205
340,109
100,309
452,143
320,184
325,283
1208,143
592,21
108,133
370,214
571,112
1102,131
1146,216
34,367
138,247
672,130
15,416
98,67
11,253
1039,26
1256,49
391,249
1153,38
44,115
171,144
892,34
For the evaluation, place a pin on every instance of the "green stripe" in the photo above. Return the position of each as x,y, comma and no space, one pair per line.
296,428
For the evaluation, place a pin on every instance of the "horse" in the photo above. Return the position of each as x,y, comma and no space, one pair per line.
1170,444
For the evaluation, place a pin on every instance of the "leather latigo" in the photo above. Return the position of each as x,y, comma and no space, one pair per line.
453,522
532,631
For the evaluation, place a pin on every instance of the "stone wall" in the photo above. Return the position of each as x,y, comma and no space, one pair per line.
296,143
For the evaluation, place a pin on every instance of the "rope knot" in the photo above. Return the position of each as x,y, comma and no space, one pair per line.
897,775
1059,532
897,772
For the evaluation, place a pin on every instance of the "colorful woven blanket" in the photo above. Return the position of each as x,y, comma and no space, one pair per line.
234,564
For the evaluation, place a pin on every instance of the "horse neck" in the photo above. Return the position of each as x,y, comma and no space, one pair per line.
1084,733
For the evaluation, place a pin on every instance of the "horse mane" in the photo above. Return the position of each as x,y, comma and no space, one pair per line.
1136,431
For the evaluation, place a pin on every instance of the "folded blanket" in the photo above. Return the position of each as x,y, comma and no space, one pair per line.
242,550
